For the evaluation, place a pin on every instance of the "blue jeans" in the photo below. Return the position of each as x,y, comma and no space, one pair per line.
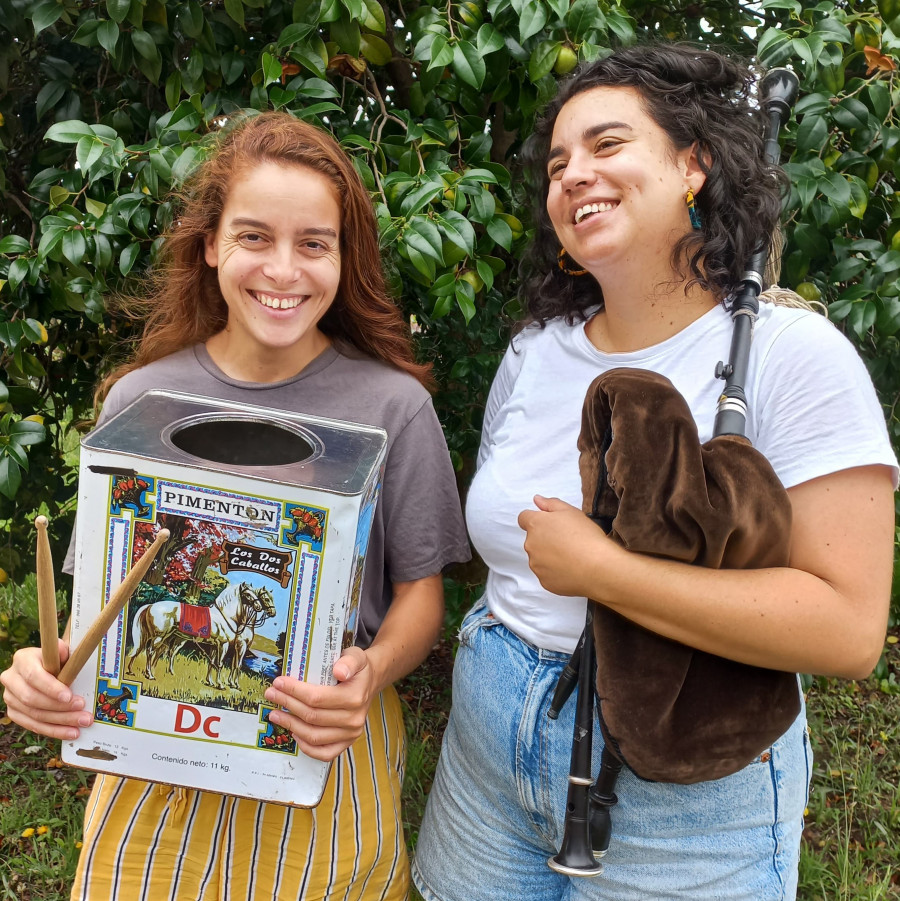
496,810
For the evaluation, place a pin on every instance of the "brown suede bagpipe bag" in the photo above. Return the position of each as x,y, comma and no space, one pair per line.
668,711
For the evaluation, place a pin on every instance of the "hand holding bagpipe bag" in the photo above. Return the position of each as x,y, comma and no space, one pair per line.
670,712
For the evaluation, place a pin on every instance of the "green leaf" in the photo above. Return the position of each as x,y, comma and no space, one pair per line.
419,198
18,270
373,17
173,90
459,230
424,235
441,53
486,273
424,265
190,19
859,196
890,12
833,30
235,10
345,33
69,132
58,195
108,36
144,44
543,58
293,34
271,68
88,151
583,17
847,269
880,99
468,64
10,477
44,15
465,300
312,56
532,19
48,96
812,134
118,9
74,246
835,187
14,244
26,433
500,231
94,207
488,40
128,258
851,114
319,88
774,47
375,49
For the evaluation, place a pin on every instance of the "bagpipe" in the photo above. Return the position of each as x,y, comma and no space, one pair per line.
669,712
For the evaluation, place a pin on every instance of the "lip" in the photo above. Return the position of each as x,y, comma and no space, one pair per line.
592,206
272,300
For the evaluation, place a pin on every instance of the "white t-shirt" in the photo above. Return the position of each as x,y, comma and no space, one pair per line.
812,411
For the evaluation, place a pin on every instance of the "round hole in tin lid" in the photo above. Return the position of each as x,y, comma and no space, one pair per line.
242,442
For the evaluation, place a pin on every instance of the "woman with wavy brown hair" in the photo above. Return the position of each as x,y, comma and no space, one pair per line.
269,290
652,194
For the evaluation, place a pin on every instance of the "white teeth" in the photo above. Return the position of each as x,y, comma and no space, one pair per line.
583,211
278,303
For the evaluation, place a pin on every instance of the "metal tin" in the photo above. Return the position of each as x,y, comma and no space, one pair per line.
269,514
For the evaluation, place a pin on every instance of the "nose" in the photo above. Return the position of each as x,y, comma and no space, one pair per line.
579,171
282,264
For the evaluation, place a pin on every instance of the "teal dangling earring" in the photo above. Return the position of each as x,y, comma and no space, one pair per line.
693,212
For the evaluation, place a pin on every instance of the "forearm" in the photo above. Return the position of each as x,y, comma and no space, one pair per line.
780,618
409,631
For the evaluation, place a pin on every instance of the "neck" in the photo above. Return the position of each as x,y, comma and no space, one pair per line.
640,312
265,365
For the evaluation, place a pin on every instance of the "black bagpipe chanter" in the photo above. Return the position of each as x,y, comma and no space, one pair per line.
669,712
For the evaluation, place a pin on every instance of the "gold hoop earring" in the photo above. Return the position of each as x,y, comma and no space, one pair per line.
561,262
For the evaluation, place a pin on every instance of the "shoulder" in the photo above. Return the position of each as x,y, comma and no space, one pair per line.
171,372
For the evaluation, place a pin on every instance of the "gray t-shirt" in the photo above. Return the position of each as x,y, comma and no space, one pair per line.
417,529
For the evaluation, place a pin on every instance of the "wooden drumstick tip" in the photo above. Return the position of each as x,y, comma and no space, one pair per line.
46,592
108,614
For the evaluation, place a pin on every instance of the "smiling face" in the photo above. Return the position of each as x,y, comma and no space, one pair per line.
277,252
617,185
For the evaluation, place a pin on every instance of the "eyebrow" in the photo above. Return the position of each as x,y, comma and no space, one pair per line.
264,226
588,134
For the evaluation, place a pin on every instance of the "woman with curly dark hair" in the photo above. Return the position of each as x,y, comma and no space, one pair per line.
652,195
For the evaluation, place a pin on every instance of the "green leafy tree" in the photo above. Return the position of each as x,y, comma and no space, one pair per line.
105,105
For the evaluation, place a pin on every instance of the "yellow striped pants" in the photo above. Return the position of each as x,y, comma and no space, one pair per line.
149,842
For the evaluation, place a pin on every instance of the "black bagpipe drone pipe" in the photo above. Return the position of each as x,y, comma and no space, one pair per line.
669,712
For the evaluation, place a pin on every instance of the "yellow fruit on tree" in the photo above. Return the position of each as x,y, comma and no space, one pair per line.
474,279
809,291
565,61
4,578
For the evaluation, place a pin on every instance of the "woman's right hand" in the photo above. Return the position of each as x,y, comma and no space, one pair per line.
40,702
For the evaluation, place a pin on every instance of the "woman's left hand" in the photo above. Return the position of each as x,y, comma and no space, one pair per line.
326,719
566,551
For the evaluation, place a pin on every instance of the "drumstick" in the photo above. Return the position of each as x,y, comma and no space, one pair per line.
46,593
108,614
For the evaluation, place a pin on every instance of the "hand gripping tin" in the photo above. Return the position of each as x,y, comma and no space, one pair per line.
269,515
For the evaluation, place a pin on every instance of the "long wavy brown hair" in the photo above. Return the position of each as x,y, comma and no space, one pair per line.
181,303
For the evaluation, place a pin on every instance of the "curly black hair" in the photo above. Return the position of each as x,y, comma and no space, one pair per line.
697,97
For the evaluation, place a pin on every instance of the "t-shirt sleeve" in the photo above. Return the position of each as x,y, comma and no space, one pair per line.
501,389
818,411
423,524
117,399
